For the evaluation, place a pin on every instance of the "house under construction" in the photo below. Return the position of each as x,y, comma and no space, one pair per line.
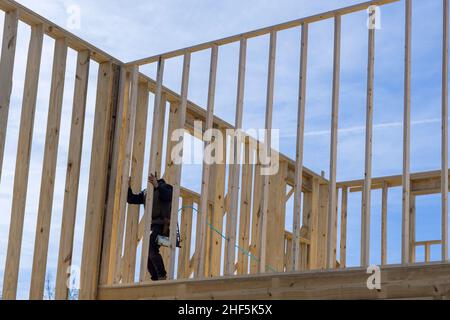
251,255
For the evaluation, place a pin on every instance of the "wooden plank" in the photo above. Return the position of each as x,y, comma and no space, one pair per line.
178,167
111,220
162,120
218,213
186,237
125,151
276,218
137,167
234,167
333,144
244,218
343,245
365,214
427,253
6,75
412,228
172,126
305,232
97,190
23,163
384,224
256,218
56,32
268,149
48,171
151,170
444,148
72,175
299,154
314,233
264,31
419,281
406,182
203,212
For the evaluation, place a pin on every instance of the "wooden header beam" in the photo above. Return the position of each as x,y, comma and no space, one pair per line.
264,31
54,31
418,281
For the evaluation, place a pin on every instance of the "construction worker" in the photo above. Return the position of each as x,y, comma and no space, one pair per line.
162,204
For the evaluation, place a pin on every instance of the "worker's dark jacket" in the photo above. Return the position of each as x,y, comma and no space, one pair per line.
162,202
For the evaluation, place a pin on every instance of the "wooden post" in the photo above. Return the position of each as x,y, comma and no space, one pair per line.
72,175
314,233
126,142
151,170
137,167
111,219
365,217
48,171
230,245
323,215
333,150
178,166
246,200
406,136
384,201
23,163
6,75
203,212
276,219
343,245
268,147
444,149
412,228
218,213
256,217
95,210
186,236
299,154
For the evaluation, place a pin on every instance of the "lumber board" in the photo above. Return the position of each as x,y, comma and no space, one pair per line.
299,148
235,165
72,175
6,75
406,182
23,163
137,167
157,109
178,167
384,223
268,151
444,140
397,282
203,212
56,32
110,221
333,143
98,184
48,171
264,31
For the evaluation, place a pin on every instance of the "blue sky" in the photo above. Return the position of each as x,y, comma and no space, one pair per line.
131,30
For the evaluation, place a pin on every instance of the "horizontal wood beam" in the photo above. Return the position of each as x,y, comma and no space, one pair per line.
54,31
397,282
264,31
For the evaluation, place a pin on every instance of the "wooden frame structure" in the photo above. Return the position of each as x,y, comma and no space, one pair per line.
113,230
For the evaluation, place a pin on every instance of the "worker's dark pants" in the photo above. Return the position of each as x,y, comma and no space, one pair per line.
155,263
